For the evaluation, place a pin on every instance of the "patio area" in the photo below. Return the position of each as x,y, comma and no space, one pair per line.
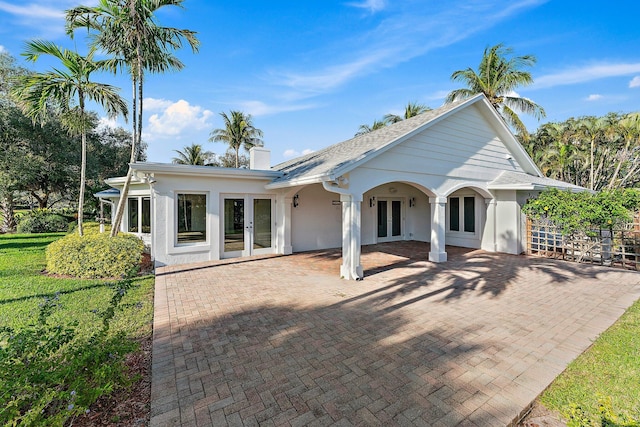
284,341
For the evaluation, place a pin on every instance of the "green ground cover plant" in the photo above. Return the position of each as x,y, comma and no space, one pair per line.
602,387
62,340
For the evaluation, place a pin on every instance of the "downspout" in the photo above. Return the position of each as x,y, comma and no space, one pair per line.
327,185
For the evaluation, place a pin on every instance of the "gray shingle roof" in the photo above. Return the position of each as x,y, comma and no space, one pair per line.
519,180
326,161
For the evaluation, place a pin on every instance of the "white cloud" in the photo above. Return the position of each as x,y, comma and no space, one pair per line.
372,6
155,104
593,97
43,18
106,122
585,74
294,153
408,30
32,9
3,49
259,108
176,118
635,82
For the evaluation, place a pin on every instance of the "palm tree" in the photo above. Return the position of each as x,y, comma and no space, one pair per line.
498,77
128,30
193,155
63,86
377,124
629,128
411,110
238,132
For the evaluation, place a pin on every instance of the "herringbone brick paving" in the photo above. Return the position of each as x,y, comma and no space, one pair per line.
283,341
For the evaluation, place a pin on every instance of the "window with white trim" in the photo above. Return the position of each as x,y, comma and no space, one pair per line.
191,217
462,214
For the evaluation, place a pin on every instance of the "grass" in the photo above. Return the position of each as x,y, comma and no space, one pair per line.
62,340
602,386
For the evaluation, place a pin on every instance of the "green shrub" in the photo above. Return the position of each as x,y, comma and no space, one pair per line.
95,255
42,221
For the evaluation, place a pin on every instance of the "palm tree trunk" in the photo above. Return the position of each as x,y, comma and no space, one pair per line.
8,217
237,155
115,227
591,174
83,164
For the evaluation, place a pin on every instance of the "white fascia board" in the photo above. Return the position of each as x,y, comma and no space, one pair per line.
204,171
315,179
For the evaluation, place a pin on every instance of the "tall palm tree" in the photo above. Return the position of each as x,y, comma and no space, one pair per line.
128,30
238,132
377,124
629,132
63,87
193,155
499,75
411,110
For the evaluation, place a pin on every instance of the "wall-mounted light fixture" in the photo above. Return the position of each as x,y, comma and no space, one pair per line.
296,201
412,202
372,202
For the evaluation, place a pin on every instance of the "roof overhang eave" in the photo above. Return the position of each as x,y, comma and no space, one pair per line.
316,179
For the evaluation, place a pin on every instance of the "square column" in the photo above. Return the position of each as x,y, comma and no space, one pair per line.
351,269
284,226
438,225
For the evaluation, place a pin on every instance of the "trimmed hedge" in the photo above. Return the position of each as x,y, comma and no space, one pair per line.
42,221
95,255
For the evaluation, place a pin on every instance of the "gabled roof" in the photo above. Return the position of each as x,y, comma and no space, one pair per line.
510,180
331,162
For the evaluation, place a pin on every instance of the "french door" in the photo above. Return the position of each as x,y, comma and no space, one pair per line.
247,225
390,219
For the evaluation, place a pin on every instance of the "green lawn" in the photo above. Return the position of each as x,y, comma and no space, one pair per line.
602,386
62,340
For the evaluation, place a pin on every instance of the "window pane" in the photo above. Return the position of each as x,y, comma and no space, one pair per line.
454,214
133,215
146,215
470,214
382,218
396,224
233,225
261,223
192,218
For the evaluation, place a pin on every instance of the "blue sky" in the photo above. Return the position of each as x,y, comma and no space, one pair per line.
311,72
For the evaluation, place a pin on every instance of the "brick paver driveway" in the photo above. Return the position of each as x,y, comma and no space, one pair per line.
284,341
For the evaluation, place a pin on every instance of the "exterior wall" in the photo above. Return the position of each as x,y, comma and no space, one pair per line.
316,223
507,223
458,151
165,249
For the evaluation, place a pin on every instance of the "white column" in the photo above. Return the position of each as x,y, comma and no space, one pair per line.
438,224
284,229
351,268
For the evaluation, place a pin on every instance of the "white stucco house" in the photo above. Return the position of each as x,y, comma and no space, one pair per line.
455,175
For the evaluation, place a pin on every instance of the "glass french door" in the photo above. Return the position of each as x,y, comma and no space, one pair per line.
248,226
389,220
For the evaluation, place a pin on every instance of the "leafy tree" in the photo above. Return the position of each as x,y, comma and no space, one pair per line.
238,132
193,155
129,31
593,152
62,85
411,110
498,76
228,160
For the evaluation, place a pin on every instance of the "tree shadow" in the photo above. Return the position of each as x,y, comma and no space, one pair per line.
285,364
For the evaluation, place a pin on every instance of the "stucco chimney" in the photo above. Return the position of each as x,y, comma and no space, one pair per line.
259,158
